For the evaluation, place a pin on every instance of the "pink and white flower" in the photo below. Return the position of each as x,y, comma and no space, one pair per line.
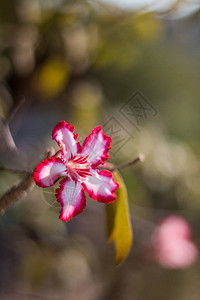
76,166
172,243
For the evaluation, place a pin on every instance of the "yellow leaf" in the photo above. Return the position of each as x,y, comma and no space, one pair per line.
52,77
118,221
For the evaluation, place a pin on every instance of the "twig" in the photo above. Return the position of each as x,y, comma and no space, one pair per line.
15,110
139,158
109,166
16,171
17,192
6,136
50,153
112,167
5,133
20,190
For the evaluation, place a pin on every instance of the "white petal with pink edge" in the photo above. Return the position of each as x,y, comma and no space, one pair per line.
49,171
72,198
64,135
101,186
96,147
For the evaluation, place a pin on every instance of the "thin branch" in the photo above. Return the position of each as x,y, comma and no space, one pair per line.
15,110
51,152
20,190
6,136
139,158
16,193
16,171
111,167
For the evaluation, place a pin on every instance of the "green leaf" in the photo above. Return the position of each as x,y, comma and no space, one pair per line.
118,221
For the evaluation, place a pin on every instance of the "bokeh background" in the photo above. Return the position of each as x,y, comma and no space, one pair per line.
81,61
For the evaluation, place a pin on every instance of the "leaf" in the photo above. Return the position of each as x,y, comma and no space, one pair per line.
118,221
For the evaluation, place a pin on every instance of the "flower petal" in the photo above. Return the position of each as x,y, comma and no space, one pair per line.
64,135
101,186
49,171
72,198
96,146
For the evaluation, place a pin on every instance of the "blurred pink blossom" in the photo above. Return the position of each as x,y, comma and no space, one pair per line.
172,243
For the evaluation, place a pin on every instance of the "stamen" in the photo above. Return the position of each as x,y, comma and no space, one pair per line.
78,167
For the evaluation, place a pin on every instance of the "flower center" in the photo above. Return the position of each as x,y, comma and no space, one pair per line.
78,167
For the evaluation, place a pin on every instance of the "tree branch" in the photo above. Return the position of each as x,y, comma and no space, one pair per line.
50,153
21,190
16,193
